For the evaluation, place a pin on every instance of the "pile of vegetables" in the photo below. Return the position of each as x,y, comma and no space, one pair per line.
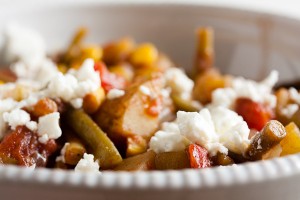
117,131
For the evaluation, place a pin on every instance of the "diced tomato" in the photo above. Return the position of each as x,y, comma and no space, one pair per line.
109,80
198,156
21,147
255,114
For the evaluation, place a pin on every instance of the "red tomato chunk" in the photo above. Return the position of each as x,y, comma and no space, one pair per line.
198,156
22,147
109,80
255,114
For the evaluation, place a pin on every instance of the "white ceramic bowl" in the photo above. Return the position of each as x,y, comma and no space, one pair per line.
248,43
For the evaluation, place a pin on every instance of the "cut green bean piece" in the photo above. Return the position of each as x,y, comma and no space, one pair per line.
262,142
102,147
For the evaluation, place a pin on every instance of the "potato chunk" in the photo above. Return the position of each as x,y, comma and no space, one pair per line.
134,114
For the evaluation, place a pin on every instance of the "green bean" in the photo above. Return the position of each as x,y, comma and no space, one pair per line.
102,147
262,142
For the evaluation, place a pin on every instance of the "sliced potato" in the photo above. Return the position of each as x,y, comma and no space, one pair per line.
134,114
144,161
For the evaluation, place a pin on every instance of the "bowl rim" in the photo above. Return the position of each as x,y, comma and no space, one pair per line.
247,173
214,177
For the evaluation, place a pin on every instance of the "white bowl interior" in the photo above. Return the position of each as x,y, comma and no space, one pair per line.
247,43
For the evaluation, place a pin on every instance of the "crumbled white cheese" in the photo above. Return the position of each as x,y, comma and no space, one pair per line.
241,87
21,69
72,86
224,97
11,112
166,92
216,147
16,118
197,127
232,130
290,109
87,164
87,73
48,127
145,90
32,125
7,105
23,44
46,71
39,75
63,86
168,139
62,153
217,129
179,82
43,139
115,93
77,103
30,101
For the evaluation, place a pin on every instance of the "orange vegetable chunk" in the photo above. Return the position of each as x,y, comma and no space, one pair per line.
291,143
